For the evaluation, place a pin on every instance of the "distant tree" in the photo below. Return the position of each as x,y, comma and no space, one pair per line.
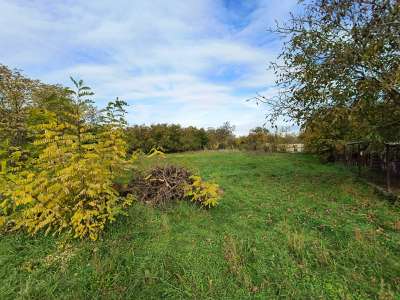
193,138
169,137
15,102
225,136
257,139
259,130
213,141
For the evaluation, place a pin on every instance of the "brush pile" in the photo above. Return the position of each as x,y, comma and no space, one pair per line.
163,184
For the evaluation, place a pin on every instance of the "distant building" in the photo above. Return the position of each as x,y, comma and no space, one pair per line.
291,148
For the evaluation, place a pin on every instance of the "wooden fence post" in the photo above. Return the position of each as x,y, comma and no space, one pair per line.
359,159
388,179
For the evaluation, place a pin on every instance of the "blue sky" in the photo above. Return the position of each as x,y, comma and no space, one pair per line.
192,62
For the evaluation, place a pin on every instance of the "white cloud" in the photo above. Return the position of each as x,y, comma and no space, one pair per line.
175,61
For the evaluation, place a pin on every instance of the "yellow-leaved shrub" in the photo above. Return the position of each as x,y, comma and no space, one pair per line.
206,193
68,186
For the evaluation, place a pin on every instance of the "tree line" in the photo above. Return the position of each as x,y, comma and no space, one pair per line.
175,138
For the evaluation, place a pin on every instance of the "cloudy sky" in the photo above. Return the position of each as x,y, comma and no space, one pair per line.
193,62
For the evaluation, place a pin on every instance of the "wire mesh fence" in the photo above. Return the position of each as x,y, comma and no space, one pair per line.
378,164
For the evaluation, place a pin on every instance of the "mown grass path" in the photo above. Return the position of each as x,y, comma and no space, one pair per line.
287,227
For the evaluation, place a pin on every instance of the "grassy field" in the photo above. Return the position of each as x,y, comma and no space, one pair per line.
287,227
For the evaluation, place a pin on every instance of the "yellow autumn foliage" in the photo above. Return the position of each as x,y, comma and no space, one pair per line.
205,193
68,185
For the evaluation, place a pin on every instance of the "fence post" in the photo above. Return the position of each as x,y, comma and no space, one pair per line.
359,160
388,183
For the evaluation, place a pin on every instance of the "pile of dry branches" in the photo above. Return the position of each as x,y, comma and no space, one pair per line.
162,185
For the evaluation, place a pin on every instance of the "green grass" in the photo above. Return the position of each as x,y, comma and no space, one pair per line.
287,227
